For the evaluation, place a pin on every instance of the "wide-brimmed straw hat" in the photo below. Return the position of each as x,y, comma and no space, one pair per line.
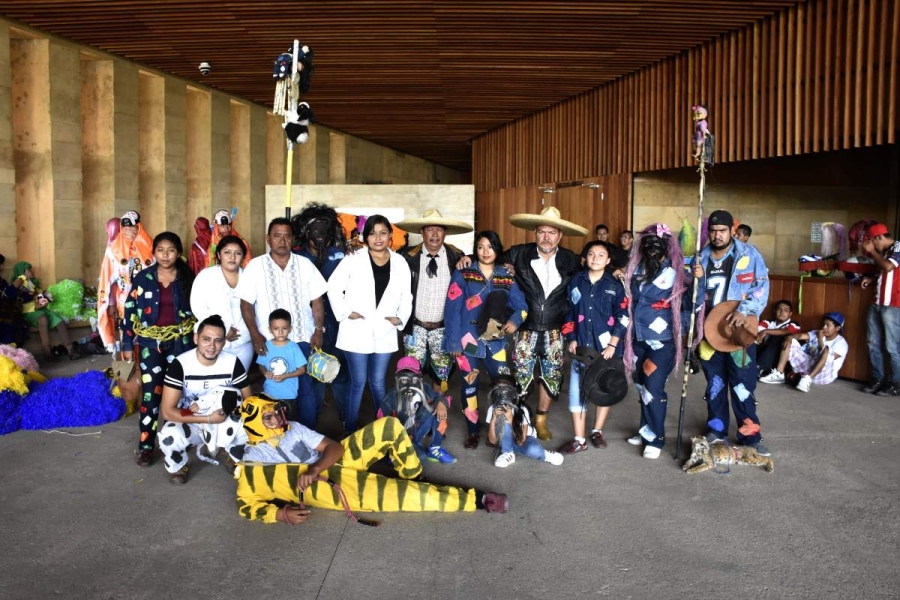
549,216
722,336
433,216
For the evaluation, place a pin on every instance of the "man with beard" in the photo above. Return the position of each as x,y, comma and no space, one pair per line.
318,236
655,284
423,337
281,279
728,269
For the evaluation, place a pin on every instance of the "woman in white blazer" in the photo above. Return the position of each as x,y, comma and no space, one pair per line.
213,293
370,294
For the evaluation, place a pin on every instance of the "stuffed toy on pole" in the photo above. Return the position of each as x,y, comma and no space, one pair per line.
704,147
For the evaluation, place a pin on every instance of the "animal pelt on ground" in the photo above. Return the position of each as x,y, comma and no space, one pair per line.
705,456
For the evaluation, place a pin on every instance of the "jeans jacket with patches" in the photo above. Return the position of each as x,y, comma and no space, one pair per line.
597,311
651,310
142,305
749,283
462,309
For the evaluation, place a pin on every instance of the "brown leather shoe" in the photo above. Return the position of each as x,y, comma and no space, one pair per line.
597,440
540,426
145,458
572,447
472,441
180,477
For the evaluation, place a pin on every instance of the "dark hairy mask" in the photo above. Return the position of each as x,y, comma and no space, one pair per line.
411,395
653,250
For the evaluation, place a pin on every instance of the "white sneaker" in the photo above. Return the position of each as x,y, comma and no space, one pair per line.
804,383
652,452
773,377
554,458
505,459
635,440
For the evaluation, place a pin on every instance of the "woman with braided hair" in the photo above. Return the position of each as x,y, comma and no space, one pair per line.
654,285
160,324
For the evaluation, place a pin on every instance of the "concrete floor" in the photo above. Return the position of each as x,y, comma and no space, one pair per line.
80,520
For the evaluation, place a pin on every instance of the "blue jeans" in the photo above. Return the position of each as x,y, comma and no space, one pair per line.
308,402
340,387
531,448
428,423
883,330
364,367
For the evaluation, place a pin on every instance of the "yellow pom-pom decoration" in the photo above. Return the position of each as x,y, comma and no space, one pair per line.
11,377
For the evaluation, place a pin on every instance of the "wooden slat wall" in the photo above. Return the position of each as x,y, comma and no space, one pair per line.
581,205
822,295
819,76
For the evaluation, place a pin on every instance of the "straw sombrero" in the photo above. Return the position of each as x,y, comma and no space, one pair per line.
433,216
722,336
549,216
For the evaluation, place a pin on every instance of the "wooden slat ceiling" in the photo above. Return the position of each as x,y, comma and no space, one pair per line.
423,77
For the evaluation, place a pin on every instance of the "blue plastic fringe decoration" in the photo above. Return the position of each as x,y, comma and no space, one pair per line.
9,411
83,400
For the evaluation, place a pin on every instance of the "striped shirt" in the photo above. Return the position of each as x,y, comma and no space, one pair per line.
887,293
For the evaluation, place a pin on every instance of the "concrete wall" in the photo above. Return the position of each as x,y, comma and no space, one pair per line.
95,135
842,187
395,201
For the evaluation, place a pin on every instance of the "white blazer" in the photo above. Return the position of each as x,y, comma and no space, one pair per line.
351,288
211,295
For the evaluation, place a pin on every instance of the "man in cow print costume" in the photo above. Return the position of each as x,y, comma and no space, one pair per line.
196,409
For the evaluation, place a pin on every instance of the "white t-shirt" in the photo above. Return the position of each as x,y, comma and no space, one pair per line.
297,446
837,346
527,420
265,285
187,374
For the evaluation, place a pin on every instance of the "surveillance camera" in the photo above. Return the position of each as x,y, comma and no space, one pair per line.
205,68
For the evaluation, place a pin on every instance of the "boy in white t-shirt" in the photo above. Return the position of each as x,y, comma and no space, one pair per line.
818,360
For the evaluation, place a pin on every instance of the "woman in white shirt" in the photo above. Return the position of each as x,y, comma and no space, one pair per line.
370,293
213,293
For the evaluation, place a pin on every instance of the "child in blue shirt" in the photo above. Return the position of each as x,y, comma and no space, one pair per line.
598,319
284,361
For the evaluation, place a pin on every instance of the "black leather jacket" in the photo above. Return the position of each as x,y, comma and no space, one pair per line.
413,258
544,314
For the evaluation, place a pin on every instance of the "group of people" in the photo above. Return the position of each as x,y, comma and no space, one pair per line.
511,314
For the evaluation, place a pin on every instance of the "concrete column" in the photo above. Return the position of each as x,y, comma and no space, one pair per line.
337,159
275,150
322,144
175,147
198,155
7,155
258,178
97,163
30,69
126,138
221,154
240,167
152,152
307,158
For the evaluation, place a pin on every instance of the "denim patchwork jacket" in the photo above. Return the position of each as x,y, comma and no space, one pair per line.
597,311
749,283
142,305
466,298
651,310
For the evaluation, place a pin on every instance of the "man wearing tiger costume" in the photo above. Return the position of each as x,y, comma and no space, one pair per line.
287,462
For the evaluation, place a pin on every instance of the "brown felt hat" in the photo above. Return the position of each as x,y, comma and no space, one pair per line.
722,336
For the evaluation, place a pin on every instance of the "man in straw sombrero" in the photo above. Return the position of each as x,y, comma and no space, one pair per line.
431,265
543,270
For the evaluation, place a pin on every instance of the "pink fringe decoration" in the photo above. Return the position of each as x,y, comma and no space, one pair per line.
23,358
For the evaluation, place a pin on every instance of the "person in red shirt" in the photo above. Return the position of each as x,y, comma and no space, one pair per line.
883,321
770,334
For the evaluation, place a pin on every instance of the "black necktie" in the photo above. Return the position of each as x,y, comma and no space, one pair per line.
431,269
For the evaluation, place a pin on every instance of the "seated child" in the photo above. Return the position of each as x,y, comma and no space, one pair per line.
509,426
769,336
422,411
283,363
819,359
287,467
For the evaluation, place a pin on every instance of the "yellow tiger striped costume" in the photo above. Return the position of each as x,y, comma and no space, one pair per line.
259,485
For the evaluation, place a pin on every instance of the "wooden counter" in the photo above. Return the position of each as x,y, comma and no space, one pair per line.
826,294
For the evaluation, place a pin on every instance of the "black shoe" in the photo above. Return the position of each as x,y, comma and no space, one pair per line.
875,386
694,364
892,389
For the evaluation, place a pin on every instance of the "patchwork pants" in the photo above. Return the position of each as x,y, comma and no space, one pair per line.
735,372
154,360
259,485
428,345
176,438
470,369
546,345
652,369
